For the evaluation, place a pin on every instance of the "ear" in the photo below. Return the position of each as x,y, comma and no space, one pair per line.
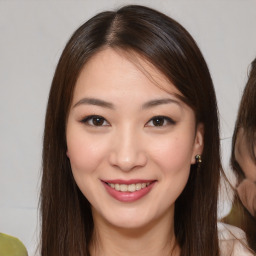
198,142
67,154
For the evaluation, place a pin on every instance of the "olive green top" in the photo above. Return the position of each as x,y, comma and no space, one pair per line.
11,246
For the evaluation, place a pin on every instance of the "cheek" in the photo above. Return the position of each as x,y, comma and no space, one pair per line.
173,154
84,153
173,159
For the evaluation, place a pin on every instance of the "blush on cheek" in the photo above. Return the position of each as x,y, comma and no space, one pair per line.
172,154
85,157
81,163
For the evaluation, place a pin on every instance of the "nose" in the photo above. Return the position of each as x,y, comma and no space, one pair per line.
128,152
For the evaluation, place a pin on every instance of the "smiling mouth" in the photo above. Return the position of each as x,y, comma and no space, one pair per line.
129,188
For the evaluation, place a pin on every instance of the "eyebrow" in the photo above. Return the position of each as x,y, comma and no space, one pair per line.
158,102
105,104
96,102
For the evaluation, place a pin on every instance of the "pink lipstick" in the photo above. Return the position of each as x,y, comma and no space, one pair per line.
128,190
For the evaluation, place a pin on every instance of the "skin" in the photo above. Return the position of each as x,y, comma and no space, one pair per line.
128,145
243,157
246,189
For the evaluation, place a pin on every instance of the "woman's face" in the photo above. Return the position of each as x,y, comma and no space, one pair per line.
130,143
243,157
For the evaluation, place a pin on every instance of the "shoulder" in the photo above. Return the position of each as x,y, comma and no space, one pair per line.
10,245
232,241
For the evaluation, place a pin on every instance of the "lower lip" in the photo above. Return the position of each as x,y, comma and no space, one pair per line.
128,196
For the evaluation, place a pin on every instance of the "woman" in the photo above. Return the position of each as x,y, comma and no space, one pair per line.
131,159
243,162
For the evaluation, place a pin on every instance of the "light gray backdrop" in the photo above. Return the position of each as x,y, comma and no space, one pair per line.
32,36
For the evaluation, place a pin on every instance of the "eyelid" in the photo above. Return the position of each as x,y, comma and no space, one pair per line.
86,120
167,119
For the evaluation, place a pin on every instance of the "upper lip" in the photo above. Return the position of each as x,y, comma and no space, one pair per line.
127,182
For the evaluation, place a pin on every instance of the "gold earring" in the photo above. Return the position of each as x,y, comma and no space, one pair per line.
198,159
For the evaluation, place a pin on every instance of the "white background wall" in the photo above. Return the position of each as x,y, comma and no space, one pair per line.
32,36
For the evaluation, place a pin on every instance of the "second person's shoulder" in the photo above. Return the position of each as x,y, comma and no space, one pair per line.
232,241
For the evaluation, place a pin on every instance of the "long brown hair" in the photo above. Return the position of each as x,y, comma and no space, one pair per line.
67,222
246,119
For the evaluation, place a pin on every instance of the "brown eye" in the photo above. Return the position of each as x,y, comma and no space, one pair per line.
98,121
95,121
159,121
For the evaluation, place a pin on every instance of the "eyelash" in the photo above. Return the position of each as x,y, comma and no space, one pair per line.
92,118
164,121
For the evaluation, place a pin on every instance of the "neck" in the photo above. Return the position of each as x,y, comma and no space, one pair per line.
156,238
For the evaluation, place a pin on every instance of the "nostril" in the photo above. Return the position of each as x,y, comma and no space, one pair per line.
127,162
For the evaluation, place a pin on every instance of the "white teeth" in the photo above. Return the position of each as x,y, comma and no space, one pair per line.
130,187
123,187
138,186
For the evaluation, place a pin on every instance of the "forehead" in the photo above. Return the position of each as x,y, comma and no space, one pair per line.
113,70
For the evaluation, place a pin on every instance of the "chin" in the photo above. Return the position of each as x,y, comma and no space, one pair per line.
130,219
